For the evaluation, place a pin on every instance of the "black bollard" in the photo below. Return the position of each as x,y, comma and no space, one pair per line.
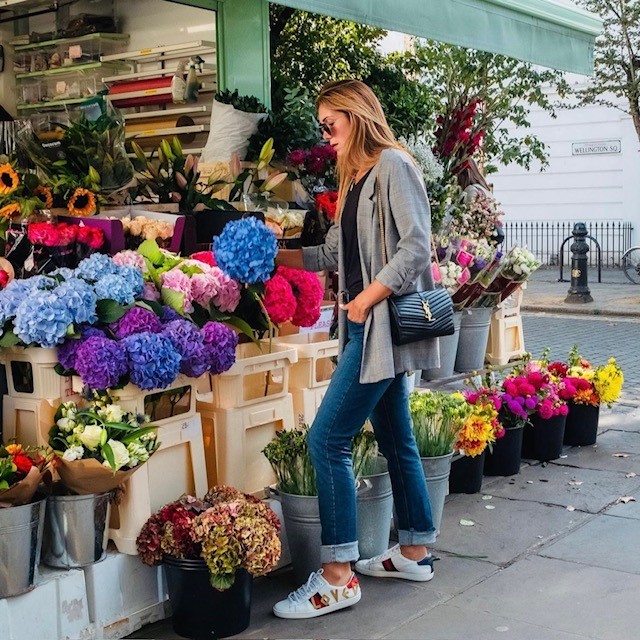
579,289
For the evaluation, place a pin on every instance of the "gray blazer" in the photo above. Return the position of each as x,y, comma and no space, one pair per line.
408,241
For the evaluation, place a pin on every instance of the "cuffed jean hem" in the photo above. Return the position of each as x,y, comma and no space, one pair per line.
416,537
347,552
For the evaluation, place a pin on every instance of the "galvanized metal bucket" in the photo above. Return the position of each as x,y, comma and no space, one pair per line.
436,472
448,350
20,544
302,522
374,501
474,334
76,530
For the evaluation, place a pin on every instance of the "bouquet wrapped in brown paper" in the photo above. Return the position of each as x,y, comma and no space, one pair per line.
99,446
21,471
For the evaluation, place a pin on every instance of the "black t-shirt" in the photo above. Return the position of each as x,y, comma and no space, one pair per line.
353,271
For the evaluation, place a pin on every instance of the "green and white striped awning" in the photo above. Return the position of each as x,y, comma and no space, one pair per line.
552,33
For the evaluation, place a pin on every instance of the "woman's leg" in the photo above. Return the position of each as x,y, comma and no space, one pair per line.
344,409
394,432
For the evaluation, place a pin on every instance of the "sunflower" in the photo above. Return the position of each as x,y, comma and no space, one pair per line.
44,194
82,203
9,180
8,211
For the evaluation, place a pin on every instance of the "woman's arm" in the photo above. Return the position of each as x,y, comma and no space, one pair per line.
290,258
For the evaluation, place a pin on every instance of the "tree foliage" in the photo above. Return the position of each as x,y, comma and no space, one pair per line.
616,58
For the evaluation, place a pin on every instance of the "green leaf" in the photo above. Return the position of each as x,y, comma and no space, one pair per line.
172,298
9,339
111,311
150,250
134,435
150,305
222,581
107,452
244,327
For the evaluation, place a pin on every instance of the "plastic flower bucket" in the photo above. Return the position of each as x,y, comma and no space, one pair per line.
506,457
543,439
466,474
581,429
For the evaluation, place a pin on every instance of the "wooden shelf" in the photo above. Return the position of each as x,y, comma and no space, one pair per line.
210,70
196,110
198,47
172,131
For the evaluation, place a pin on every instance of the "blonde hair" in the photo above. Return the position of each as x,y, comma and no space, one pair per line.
370,132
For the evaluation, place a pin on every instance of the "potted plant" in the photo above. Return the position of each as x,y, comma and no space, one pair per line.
211,549
480,431
585,388
296,488
21,517
437,420
98,447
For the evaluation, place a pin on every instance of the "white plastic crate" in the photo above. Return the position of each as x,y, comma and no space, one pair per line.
124,595
177,467
306,403
178,400
56,609
31,374
506,334
314,367
22,420
256,376
234,439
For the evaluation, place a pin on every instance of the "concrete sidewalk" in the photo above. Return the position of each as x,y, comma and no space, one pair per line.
614,296
554,559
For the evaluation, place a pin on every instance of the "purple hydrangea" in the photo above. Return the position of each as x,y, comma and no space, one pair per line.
42,319
153,361
189,342
100,362
80,299
169,313
68,349
246,250
136,320
221,343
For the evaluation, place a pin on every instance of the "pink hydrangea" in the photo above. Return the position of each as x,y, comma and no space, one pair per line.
179,281
308,291
130,259
150,292
279,300
215,287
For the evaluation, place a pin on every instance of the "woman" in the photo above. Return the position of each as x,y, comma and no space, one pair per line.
370,380
472,182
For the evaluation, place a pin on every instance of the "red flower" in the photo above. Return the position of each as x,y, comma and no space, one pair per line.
205,256
308,292
297,156
4,278
22,462
327,202
91,236
279,300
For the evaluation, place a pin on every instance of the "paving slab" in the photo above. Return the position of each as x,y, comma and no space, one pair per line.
448,622
626,510
565,596
551,485
622,419
601,455
499,533
604,541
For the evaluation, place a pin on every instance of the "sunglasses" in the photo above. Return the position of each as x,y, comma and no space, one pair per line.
325,128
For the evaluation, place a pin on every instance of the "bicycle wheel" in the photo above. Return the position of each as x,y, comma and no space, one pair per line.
631,264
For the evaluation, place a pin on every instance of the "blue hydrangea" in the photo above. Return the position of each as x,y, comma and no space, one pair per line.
115,288
187,339
12,296
43,319
154,362
80,299
169,313
95,267
246,250
63,272
134,277
44,283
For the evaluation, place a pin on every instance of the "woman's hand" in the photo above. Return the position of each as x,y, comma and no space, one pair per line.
357,310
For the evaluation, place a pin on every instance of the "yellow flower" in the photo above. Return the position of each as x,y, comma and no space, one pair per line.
44,194
608,381
9,210
13,449
82,203
9,179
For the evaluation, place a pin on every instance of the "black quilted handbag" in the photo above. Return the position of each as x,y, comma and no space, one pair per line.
416,316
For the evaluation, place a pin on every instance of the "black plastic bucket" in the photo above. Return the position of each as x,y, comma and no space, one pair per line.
542,440
466,474
505,458
582,425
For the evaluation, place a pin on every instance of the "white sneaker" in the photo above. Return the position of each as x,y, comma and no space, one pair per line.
317,597
392,564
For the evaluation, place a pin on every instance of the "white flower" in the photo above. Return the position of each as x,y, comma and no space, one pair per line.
121,456
73,453
138,454
66,424
112,413
91,436
68,410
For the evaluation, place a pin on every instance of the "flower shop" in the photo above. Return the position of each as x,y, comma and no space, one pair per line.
161,371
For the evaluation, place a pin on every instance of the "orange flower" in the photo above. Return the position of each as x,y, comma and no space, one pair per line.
586,396
14,449
8,211
44,194
82,203
9,179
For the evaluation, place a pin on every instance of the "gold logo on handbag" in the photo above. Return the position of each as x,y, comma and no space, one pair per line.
427,311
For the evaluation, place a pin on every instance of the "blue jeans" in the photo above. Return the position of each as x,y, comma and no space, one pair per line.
344,409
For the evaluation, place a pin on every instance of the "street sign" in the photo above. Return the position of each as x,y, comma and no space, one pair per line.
596,147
